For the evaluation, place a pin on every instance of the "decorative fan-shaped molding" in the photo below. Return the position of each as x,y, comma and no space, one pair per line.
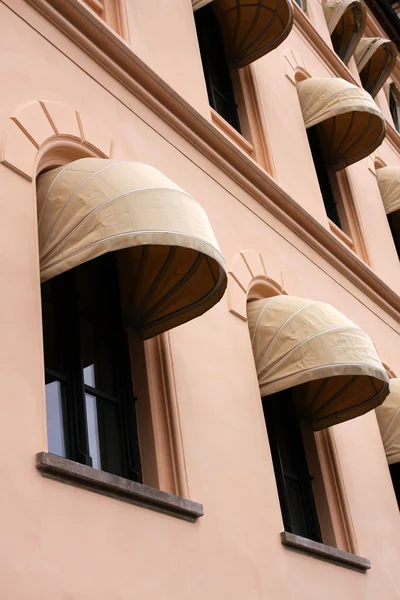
294,64
248,277
36,122
375,162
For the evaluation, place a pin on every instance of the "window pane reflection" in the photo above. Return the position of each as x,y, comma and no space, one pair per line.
55,420
93,430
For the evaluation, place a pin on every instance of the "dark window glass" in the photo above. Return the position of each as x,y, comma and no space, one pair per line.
394,223
290,465
395,474
216,70
394,103
323,176
89,399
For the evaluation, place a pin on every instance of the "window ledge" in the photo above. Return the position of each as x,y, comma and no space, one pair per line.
328,553
343,237
231,132
68,471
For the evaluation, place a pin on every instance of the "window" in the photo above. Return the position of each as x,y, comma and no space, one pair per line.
302,4
325,177
90,406
290,465
395,475
216,70
394,104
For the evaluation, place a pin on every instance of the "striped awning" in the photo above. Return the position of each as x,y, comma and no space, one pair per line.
375,58
252,28
173,270
349,123
346,21
389,186
388,415
311,346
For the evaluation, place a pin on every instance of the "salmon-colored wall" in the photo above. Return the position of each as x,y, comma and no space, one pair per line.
61,542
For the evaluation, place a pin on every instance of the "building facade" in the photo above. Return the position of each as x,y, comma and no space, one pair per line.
201,300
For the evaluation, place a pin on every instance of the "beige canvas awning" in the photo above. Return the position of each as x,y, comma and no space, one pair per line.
346,21
375,58
299,342
196,4
349,123
252,28
389,187
388,415
173,270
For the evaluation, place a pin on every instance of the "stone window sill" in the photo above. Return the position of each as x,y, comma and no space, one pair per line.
68,471
328,553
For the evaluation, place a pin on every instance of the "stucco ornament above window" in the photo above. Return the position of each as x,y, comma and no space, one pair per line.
389,187
349,123
346,21
299,342
375,58
388,415
251,28
173,269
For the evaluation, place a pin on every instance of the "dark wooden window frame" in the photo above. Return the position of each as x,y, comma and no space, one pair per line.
72,381
324,177
217,75
290,466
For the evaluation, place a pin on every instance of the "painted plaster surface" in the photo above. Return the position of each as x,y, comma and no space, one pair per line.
59,542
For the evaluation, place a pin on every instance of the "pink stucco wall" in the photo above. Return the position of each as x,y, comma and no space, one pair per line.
61,542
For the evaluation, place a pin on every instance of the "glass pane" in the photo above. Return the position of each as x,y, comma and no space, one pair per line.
93,430
51,329
97,357
55,420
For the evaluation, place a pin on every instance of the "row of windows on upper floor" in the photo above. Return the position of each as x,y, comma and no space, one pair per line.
221,45
222,98
105,281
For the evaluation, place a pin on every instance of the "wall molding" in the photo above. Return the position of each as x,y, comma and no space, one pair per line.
248,271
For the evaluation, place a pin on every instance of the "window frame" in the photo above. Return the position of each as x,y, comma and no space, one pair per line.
343,218
217,73
67,323
282,422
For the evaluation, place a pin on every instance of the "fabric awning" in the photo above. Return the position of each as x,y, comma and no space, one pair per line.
388,415
389,186
375,58
299,342
349,123
196,4
173,269
346,21
252,28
